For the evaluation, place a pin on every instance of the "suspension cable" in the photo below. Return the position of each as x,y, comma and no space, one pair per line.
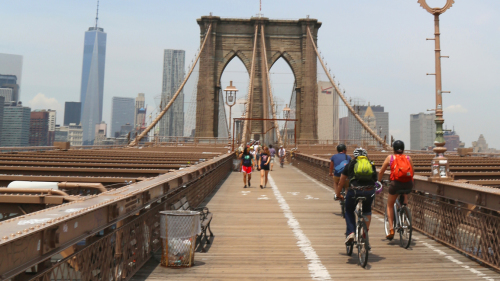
246,127
353,112
273,109
151,126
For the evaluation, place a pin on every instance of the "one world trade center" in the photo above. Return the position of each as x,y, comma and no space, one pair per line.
91,95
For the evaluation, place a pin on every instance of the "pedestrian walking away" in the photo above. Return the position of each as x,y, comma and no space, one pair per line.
246,166
272,151
281,155
265,158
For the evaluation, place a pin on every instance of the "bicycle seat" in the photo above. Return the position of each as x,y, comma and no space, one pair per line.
361,198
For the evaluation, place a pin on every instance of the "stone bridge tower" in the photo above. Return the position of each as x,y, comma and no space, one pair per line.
232,38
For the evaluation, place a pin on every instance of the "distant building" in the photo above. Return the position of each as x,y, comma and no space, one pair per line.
101,128
60,136
172,123
6,93
52,127
452,140
91,93
74,134
328,112
12,65
39,128
482,146
422,131
16,126
2,104
124,130
377,117
10,82
72,112
343,129
139,103
122,112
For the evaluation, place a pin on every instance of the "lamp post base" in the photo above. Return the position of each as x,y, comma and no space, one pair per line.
440,169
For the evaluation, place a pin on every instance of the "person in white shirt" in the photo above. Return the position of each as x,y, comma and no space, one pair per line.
281,155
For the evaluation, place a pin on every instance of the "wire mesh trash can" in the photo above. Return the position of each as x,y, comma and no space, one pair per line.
178,230
236,165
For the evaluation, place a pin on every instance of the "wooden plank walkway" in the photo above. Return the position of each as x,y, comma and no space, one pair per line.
292,230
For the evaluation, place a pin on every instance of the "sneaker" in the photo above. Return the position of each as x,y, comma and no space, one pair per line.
245,186
261,187
391,235
349,239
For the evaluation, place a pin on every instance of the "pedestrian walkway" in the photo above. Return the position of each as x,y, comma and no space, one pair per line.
292,230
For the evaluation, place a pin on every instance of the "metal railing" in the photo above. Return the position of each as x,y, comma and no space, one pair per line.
102,237
462,216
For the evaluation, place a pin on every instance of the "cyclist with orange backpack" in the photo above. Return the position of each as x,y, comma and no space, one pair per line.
402,172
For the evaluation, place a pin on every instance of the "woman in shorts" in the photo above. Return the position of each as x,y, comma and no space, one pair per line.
246,166
264,159
396,187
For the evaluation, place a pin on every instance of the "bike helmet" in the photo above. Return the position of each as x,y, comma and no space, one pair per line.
359,152
341,147
398,146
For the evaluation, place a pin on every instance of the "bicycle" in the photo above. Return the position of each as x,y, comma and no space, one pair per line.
282,161
342,203
361,239
402,220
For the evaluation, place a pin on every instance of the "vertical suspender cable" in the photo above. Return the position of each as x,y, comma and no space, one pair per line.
353,112
146,131
250,90
273,108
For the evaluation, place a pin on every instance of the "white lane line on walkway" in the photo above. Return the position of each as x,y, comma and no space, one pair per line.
316,268
324,186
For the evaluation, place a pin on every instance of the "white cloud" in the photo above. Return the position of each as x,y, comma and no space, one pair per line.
40,101
455,109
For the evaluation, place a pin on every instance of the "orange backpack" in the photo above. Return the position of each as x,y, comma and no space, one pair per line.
401,169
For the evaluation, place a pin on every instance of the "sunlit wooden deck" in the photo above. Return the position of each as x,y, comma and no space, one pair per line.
292,230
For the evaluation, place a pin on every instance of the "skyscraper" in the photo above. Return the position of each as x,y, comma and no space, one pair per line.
9,82
139,103
122,112
72,112
328,112
172,123
91,95
12,65
52,127
16,126
39,128
379,124
422,130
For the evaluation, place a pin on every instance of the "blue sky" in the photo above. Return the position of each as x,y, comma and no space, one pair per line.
377,49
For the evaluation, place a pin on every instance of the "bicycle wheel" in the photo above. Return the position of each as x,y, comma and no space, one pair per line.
362,244
406,229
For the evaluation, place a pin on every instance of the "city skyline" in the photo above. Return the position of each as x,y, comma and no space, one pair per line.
404,69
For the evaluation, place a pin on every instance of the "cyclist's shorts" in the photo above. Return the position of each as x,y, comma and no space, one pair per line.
337,180
246,169
397,187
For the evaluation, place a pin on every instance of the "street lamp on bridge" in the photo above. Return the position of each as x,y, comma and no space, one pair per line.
230,100
286,115
440,165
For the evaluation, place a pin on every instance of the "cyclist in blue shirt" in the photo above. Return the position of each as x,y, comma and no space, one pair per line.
337,164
